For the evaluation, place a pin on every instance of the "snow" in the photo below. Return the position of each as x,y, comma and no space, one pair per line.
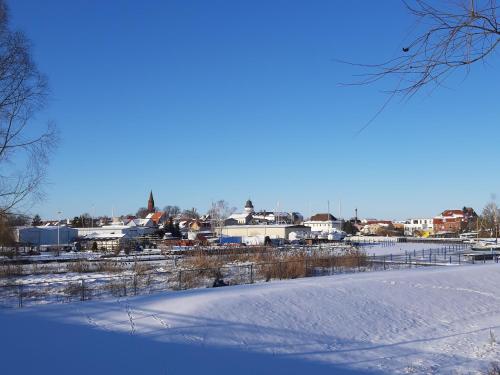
398,248
428,320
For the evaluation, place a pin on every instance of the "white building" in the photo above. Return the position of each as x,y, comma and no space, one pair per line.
412,225
134,228
273,231
324,223
241,218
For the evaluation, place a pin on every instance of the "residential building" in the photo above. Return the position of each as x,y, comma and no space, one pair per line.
324,223
158,217
453,221
418,225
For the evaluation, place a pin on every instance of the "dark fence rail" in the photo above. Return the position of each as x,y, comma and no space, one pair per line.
129,283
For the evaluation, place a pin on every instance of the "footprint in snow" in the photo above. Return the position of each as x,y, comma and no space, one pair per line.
161,321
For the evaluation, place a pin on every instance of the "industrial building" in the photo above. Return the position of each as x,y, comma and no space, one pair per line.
46,235
272,231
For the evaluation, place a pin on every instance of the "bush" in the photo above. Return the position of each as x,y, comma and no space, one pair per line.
108,266
80,266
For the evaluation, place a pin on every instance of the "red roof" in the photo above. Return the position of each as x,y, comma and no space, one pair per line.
157,216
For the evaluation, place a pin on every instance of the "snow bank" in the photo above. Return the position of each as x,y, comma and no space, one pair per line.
440,320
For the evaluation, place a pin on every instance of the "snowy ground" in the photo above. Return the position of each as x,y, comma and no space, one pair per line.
397,248
440,320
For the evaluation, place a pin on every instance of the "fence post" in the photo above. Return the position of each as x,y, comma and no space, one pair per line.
135,285
83,289
20,294
251,273
458,258
180,279
384,262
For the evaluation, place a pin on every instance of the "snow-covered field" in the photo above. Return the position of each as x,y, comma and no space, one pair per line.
439,320
397,248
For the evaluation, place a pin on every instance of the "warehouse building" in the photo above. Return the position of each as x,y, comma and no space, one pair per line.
46,235
273,231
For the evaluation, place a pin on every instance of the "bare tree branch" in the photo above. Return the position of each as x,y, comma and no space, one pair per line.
454,36
24,144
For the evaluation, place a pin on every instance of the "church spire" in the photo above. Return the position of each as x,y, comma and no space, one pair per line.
151,202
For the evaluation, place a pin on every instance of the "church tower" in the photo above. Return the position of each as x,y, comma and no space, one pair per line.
249,207
151,203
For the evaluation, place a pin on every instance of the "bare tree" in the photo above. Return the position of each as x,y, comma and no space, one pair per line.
489,218
24,144
219,212
171,210
451,37
190,214
142,212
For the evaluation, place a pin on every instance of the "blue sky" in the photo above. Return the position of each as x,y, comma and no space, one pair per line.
207,100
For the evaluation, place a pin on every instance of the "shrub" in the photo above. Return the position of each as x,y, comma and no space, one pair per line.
80,266
109,266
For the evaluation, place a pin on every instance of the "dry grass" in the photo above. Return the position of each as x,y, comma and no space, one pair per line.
80,266
268,264
494,369
142,268
117,288
201,261
109,266
8,252
73,290
11,270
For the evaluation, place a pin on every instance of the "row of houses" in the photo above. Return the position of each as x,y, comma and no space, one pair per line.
249,224
449,222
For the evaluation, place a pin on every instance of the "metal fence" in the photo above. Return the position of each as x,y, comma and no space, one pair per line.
128,283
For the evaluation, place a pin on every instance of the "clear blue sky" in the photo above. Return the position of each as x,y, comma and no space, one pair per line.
206,100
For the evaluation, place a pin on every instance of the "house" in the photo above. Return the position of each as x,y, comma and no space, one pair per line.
453,221
418,225
375,227
275,217
243,218
158,217
324,223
